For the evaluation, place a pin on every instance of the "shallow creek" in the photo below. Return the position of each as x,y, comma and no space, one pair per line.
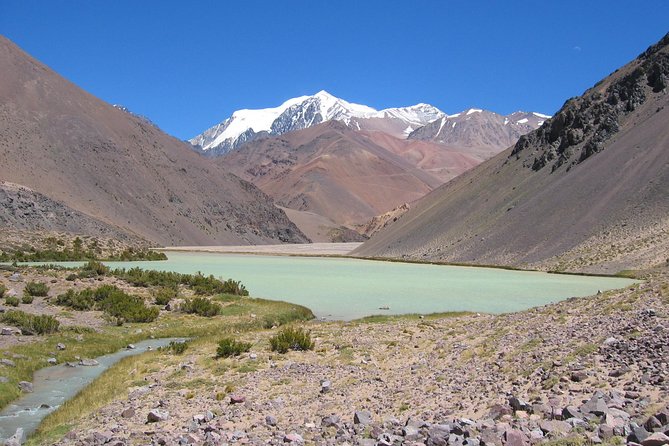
52,386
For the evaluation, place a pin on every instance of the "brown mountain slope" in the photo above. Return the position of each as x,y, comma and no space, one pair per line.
100,161
587,191
332,171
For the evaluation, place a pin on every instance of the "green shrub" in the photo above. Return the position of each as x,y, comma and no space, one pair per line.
115,302
81,301
36,289
30,323
95,268
201,307
164,295
71,277
228,347
290,338
175,347
127,308
3,289
199,283
12,301
27,299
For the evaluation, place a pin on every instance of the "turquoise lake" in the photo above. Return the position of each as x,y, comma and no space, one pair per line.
345,289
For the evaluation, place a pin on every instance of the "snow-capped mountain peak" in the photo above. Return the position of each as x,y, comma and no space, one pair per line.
306,111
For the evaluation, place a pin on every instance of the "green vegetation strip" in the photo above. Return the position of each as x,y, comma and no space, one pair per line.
234,313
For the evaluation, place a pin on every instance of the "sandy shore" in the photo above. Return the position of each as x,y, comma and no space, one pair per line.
309,249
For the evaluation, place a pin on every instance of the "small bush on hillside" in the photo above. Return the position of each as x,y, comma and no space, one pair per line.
27,299
175,347
115,302
201,307
71,277
12,301
93,268
36,289
228,347
290,338
30,323
3,290
80,301
164,295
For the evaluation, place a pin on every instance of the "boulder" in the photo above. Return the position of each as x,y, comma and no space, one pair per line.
16,277
596,405
7,362
499,410
638,435
362,417
4,379
571,412
656,439
156,415
26,387
270,420
438,434
330,421
555,427
516,437
60,346
293,438
128,412
518,404
410,433
52,361
88,362
16,439
237,399
326,386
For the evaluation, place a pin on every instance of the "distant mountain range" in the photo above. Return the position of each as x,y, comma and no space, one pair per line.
348,163
587,191
306,111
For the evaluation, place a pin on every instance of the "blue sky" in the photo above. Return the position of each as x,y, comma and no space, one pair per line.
188,65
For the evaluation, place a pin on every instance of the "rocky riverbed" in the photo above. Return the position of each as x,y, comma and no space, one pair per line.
584,371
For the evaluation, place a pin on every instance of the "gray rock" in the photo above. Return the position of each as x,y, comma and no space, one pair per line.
326,386
60,346
536,435
638,435
88,362
518,404
16,277
131,346
26,387
652,423
16,439
656,439
4,379
596,405
437,435
555,426
189,439
330,420
411,433
516,437
363,417
7,362
12,293
156,415
293,438
52,361
571,412
499,410
270,420
578,376
9,331
605,432
128,413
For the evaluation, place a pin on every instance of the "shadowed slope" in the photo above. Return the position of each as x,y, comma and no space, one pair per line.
587,191
101,161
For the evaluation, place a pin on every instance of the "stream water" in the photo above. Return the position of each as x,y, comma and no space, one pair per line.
52,386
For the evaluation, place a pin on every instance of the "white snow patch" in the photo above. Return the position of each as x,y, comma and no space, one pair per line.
474,110
441,126
522,121
539,115
540,123
506,121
